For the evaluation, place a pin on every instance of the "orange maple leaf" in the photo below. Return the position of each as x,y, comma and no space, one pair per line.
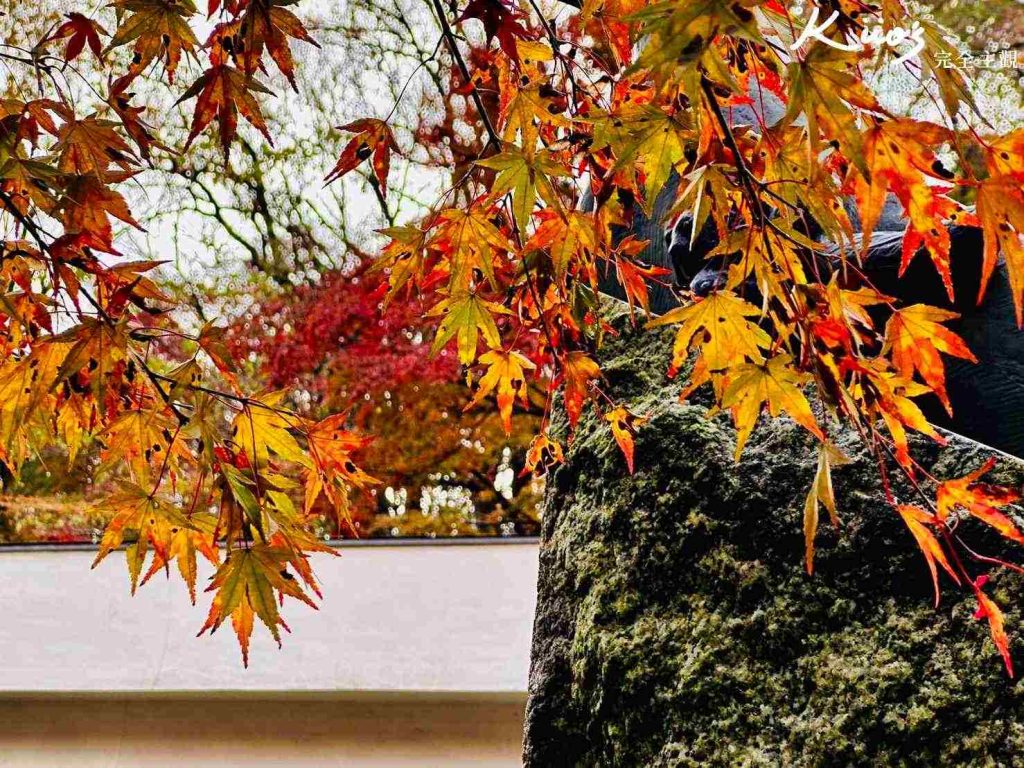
920,522
916,336
981,500
578,371
624,425
224,92
506,374
987,609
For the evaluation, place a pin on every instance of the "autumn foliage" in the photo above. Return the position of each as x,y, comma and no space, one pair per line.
602,101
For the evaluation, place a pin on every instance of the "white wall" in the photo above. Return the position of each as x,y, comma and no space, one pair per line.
418,657
394,618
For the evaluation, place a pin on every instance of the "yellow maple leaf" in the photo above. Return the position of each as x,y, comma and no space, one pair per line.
506,373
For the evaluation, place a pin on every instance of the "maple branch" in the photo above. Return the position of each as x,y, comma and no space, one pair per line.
453,48
747,179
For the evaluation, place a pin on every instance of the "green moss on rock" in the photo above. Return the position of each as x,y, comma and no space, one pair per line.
676,627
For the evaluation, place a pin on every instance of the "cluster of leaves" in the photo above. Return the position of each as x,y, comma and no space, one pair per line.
93,354
619,96
332,343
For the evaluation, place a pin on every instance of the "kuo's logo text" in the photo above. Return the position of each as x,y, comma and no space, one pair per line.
869,36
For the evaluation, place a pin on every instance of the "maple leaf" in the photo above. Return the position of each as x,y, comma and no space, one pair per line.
920,524
632,276
824,85
821,492
900,156
624,424
719,326
79,31
138,512
987,609
184,544
267,26
470,241
886,394
981,500
500,21
915,336
570,238
402,258
526,104
86,209
224,92
374,140
1004,155
775,384
524,174
159,28
466,316
245,584
610,19
263,426
331,445
91,145
506,375
648,137
578,371
1000,210
543,454
141,439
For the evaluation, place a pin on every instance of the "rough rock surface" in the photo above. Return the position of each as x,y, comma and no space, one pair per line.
676,626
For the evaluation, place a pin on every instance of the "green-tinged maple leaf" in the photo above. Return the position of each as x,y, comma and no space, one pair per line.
466,316
645,137
524,174
826,88
247,583
529,109
821,493
263,426
403,258
471,242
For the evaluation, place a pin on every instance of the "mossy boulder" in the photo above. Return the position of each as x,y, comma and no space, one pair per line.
676,625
